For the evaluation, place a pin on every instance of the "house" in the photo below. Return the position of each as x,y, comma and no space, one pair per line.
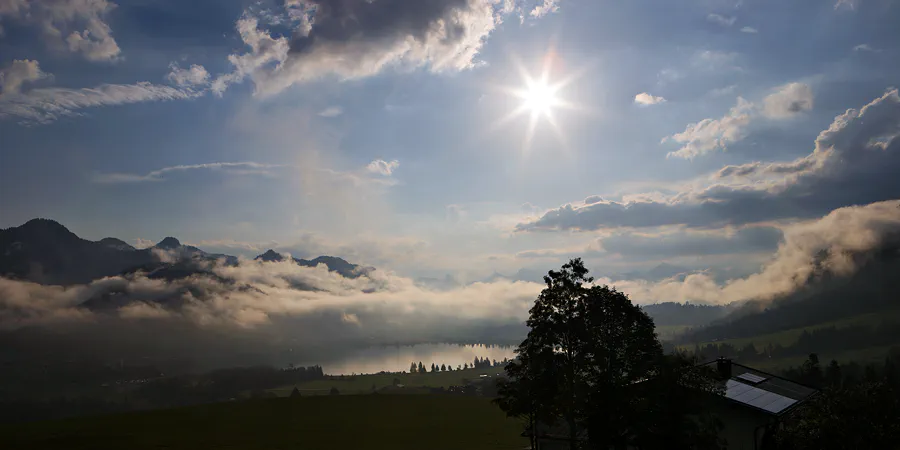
753,406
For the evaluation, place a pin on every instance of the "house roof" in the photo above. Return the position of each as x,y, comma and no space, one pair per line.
763,391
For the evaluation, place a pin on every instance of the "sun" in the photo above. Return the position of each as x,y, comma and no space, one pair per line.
539,97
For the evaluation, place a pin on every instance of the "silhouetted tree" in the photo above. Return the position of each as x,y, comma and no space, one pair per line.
421,367
295,393
443,368
334,391
586,353
833,376
413,368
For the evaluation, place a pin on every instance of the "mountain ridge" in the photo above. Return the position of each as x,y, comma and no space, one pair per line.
46,252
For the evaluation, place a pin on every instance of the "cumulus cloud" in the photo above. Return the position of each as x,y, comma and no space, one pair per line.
196,75
854,161
725,21
76,26
331,111
710,134
241,168
383,167
713,134
18,73
547,7
360,38
788,100
45,105
646,99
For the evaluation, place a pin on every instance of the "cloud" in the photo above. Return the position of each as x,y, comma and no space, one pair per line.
349,39
750,30
247,167
303,307
716,134
854,161
45,105
541,10
725,21
646,99
846,4
715,61
382,167
196,75
713,134
835,246
76,26
788,101
455,213
865,48
18,73
687,242
331,111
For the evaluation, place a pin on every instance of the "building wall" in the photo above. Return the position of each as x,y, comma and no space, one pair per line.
739,425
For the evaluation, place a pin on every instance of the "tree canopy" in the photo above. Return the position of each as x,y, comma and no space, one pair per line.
587,363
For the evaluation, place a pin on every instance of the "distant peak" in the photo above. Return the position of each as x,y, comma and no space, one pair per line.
270,255
169,243
45,224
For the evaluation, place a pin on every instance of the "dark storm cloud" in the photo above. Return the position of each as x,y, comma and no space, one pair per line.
855,161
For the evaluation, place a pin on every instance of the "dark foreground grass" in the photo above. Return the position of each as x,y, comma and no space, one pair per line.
373,421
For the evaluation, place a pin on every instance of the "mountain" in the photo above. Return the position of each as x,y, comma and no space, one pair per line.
44,251
823,296
334,264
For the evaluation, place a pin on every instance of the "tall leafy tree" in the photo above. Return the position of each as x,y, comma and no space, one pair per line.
585,360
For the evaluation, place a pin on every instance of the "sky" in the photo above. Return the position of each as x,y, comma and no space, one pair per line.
458,139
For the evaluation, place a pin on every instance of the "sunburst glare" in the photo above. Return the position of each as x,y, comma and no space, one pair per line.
540,99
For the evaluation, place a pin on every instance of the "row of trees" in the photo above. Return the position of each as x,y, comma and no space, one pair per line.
592,366
478,363
832,338
859,406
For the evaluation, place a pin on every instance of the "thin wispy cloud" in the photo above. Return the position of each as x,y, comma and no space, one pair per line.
45,105
725,21
749,30
331,111
865,48
241,168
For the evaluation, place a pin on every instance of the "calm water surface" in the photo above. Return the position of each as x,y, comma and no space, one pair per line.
398,358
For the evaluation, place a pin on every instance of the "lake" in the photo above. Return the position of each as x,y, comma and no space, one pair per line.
398,358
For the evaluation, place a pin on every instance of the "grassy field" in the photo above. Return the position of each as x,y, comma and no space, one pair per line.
362,384
789,337
334,422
